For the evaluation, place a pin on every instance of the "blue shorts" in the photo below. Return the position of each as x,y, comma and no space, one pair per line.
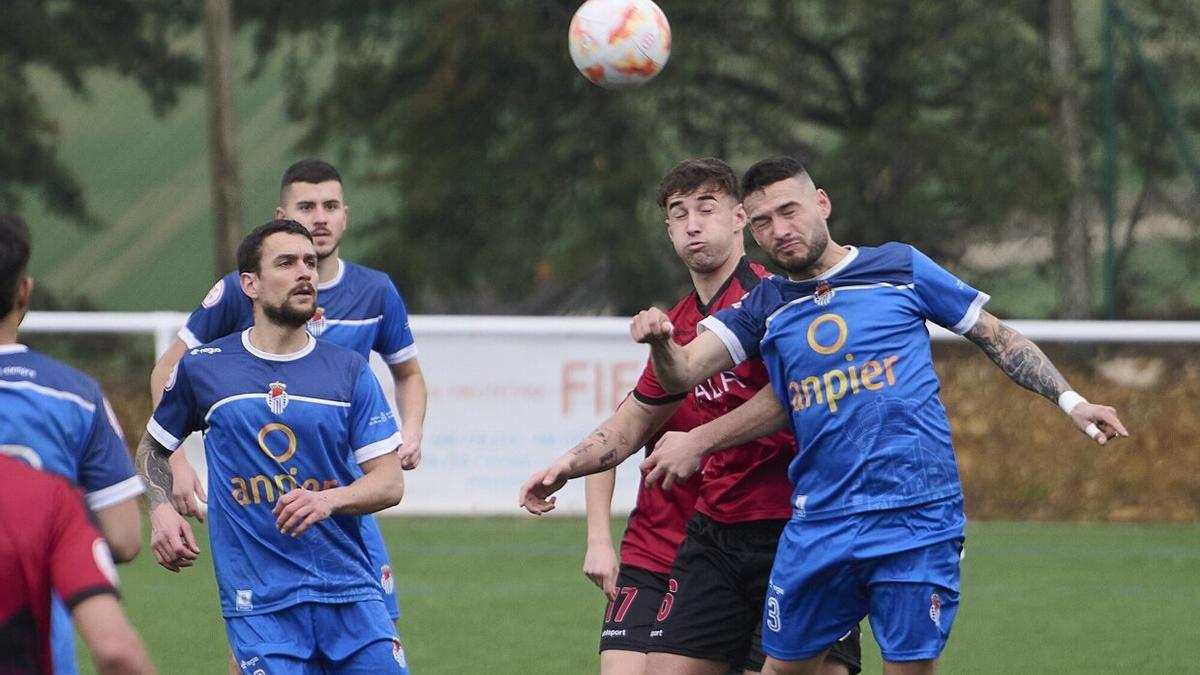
377,554
899,567
312,638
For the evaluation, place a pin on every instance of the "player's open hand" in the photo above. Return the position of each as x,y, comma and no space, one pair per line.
186,488
171,539
675,458
298,509
1100,422
600,565
410,451
651,325
535,495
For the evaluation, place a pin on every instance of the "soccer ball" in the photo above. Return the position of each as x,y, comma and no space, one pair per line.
619,43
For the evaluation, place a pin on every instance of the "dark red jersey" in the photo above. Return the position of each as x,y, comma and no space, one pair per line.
46,542
656,524
748,482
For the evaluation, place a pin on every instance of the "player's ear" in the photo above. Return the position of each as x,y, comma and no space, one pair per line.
739,218
249,284
24,293
280,214
824,203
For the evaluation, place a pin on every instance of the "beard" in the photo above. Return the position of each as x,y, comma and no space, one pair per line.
284,314
800,265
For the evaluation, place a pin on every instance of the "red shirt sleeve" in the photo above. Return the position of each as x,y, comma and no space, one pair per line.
80,562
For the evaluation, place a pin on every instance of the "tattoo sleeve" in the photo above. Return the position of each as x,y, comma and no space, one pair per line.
153,463
1018,357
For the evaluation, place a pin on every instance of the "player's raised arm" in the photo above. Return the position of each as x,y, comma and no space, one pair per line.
1028,366
171,538
608,445
678,367
677,455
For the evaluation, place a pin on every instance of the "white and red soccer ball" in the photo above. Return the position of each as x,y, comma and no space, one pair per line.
619,43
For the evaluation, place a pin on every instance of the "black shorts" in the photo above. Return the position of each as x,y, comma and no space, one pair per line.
714,604
627,619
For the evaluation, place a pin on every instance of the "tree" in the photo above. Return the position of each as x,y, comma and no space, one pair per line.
69,38
516,181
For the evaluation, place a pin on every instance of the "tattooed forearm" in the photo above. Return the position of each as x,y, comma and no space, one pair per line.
600,451
1018,357
155,467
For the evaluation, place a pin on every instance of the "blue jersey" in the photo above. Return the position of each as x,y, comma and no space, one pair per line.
272,422
849,357
57,419
359,309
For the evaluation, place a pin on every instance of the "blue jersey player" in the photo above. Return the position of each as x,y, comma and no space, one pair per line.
877,521
357,307
287,419
57,419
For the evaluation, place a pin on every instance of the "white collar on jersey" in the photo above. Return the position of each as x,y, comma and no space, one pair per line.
326,285
841,265
300,353
14,348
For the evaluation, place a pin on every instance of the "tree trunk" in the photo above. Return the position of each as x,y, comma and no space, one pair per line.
226,182
1071,241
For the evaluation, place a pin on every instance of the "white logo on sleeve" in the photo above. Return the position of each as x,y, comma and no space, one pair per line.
214,295
104,560
801,500
245,601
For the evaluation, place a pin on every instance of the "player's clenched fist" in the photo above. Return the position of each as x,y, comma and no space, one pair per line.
299,508
651,325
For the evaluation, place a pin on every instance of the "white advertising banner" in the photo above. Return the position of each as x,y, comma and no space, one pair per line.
507,395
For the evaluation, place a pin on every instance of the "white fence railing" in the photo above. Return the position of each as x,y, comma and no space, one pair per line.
508,394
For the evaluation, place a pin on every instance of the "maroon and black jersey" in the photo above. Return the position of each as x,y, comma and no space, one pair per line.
656,523
744,483
47,541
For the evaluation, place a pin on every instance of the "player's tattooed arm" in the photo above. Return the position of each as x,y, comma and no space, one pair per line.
1019,358
618,437
153,462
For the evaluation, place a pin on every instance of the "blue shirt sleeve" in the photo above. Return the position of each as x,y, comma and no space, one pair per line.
176,415
106,472
373,428
742,325
394,341
944,298
224,310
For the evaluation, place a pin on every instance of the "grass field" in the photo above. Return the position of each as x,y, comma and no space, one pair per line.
505,595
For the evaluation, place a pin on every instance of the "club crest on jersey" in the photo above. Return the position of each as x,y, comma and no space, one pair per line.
935,609
387,580
823,295
316,325
277,398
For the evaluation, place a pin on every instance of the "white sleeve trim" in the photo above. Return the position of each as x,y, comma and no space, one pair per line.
188,338
115,493
968,321
406,354
378,448
162,435
732,344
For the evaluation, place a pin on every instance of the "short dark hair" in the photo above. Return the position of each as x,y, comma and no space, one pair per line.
14,258
770,171
692,174
250,250
309,171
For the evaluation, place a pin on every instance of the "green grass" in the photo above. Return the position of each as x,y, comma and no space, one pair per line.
505,595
